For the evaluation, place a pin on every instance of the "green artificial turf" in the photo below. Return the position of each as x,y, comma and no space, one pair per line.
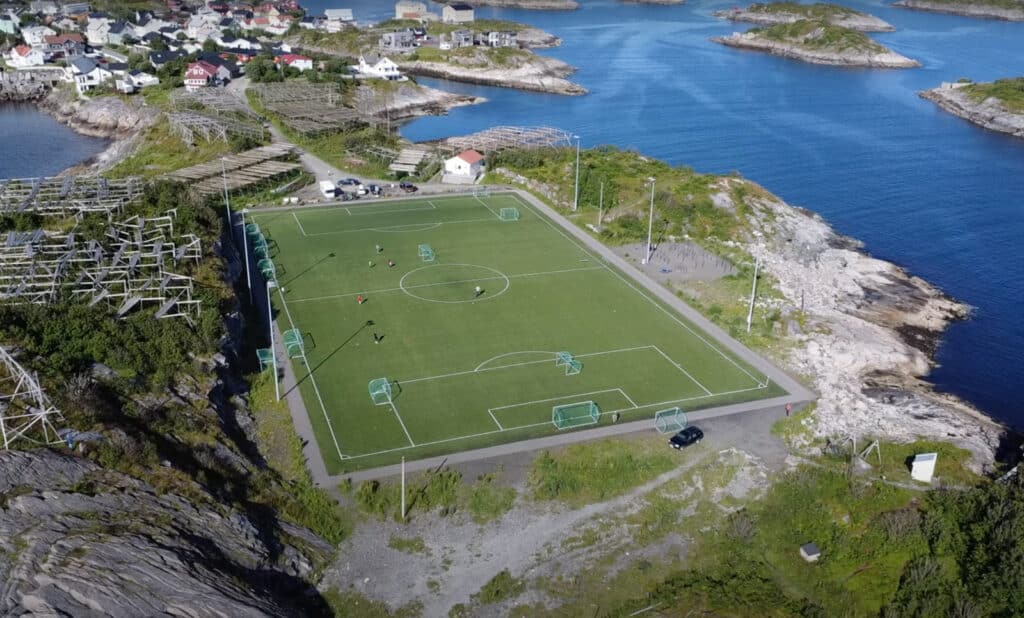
472,371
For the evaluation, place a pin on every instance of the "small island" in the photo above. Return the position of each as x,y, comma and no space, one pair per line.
819,42
771,13
998,105
538,5
1009,10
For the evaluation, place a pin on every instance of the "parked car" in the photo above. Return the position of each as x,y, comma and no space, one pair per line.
350,181
374,190
686,437
408,187
361,190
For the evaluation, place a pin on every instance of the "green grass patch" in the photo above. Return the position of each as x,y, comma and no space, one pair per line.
500,588
161,152
950,468
818,10
597,471
443,491
1009,92
352,604
488,501
414,545
797,427
821,35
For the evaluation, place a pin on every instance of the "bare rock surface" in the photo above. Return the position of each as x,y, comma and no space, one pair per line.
410,100
979,9
76,540
757,14
542,5
990,113
101,117
539,74
887,59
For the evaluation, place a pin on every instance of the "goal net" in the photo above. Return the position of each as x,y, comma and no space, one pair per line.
509,214
670,420
481,192
427,253
567,360
380,391
572,415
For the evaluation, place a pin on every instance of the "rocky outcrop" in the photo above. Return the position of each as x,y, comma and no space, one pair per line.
539,74
990,113
410,100
764,14
869,331
968,9
111,117
16,86
543,5
880,57
535,38
79,540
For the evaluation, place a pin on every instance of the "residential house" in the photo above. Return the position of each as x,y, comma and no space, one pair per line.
372,65
64,45
408,9
465,166
296,61
309,22
336,20
399,41
458,13
87,73
24,56
226,67
135,81
159,58
200,74
36,35
456,39
75,8
171,32
8,24
231,41
499,38
44,7
96,31
119,33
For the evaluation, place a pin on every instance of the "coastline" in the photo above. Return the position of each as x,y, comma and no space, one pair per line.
862,23
985,11
541,74
989,114
537,5
880,60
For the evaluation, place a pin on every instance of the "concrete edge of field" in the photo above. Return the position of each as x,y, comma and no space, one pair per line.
797,393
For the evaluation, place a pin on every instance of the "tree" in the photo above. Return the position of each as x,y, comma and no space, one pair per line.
209,45
262,69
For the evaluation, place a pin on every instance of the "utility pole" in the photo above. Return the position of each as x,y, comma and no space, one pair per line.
245,248
650,225
600,205
576,194
227,199
271,284
403,488
753,293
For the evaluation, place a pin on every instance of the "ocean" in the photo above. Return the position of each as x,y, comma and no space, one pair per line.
920,187
34,144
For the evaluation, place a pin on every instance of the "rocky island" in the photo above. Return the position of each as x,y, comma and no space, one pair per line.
1009,10
512,68
819,42
771,13
540,5
998,105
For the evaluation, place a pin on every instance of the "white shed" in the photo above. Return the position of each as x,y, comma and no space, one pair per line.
467,164
923,467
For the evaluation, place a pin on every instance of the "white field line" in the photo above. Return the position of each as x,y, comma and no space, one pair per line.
680,368
494,358
428,285
488,433
400,422
312,378
430,206
570,396
500,428
299,223
378,228
536,362
628,398
487,207
644,295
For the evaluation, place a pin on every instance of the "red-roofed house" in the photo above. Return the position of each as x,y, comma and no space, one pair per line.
201,74
24,56
295,61
66,45
466,166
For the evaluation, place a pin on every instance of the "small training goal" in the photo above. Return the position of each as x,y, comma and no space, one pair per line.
481,192
380,391
426,253
508,214
567,360
572,415
670,420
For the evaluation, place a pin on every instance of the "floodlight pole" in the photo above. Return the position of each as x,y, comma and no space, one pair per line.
650,225
227,199
403,488
753,293
271,284
600,205
245,246
576,193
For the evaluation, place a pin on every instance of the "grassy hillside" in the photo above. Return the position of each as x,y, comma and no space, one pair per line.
819,10
820,35
1009,91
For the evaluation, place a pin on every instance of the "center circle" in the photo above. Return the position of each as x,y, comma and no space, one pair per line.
454,283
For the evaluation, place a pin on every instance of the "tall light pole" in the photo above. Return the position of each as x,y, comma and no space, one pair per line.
576,193
245,246
403,488
227,200
600,205
753,293
650,225
271,284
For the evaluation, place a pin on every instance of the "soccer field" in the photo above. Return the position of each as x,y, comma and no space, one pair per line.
469,368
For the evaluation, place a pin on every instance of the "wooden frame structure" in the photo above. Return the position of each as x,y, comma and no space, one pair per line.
307,108
25,412
66,196
191,124
504,137
237,171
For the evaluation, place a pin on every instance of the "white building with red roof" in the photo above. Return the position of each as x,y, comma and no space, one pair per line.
296,61
200,75
24,56
464,167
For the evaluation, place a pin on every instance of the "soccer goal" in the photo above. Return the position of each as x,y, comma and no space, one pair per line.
567,360
572,415
266,267
293,343
380,391
670,420
427,253
481,192
508,214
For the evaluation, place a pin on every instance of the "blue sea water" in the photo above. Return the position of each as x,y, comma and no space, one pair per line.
920,187
33,144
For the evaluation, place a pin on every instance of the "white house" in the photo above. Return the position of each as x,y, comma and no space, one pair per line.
24,56
135,81
408,9
46,7
87,73
9,24
36,35
296,61
97,30
338,19
372,65
464,167
458,13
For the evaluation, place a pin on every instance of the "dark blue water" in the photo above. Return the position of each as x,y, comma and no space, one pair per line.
33,144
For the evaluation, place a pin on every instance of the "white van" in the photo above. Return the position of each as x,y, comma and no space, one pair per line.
328,189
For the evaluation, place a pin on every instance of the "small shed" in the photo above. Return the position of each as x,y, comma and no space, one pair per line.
810,552
467,164
923,467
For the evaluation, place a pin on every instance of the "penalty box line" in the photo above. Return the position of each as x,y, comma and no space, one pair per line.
532,425
549,399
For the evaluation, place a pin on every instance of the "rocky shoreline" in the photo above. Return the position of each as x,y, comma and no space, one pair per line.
988,11
853,21
412,100
849,58
541,74
990,113
540,5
